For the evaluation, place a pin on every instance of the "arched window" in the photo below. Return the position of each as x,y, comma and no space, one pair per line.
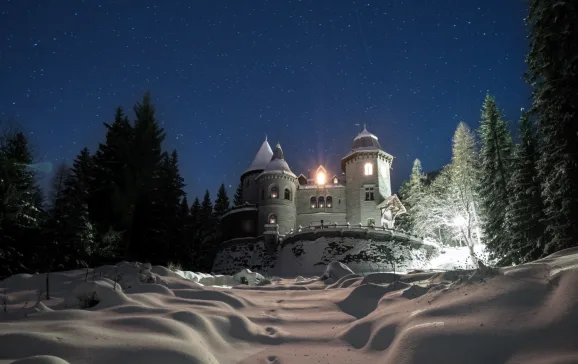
329,201
368,169
321,202
313,202
288,194
335,180
272,219
274,193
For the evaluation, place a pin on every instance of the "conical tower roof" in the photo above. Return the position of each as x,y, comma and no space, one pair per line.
262,158
278,163
365,141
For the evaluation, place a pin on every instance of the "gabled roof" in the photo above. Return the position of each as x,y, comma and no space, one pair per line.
262,158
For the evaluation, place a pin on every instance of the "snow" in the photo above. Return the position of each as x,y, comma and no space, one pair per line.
365,134
142,314
263,156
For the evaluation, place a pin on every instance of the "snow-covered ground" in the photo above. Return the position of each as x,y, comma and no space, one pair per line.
134,313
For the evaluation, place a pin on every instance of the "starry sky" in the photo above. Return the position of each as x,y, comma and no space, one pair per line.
225,73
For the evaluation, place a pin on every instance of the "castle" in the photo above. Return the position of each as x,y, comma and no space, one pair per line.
278,201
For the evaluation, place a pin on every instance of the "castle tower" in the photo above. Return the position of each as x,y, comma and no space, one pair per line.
277,187
250,187
368,181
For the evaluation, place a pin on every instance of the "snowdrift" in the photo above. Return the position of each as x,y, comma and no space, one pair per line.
134,313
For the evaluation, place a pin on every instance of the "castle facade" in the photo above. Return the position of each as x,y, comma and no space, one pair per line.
276,199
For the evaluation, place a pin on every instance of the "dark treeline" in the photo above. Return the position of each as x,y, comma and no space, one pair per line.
523,200
125,201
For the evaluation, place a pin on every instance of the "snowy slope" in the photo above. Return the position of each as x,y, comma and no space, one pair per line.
524,314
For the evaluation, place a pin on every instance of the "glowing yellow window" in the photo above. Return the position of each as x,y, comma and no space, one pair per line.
368,169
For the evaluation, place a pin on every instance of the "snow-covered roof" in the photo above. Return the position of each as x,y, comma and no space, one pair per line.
365,141
277,164
262,158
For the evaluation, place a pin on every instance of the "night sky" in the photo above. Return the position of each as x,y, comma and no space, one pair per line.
225,73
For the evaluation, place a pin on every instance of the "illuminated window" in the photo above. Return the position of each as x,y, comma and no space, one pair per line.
313,202
321,178
329,201
272,219
368,169
321,202
335,180
287,194
369,196
274,192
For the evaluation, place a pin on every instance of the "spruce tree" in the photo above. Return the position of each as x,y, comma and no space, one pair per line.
145,165
495,168
462,199
553,73
193,239
411,193
20,205
69,232
525,211
222,202
180,251
111,188
207,234
238,198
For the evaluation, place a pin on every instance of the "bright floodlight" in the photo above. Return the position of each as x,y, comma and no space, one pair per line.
320,178
459,221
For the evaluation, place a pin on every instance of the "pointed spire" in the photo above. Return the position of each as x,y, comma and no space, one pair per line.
278,153
265,136
262,157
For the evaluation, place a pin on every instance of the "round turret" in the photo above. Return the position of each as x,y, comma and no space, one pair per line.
250,187
277,186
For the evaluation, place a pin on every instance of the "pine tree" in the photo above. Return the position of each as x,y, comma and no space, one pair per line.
163,222
462,199
238,199
20,205
410,194
193,239
145,164
207,232
222,202
525,211
180,251
553,74
70,234
206,211
495,164
111,188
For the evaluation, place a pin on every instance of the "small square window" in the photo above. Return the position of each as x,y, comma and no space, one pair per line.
369,195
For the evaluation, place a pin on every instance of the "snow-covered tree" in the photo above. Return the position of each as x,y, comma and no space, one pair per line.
525,210
553,72
450,204
495,169
411,193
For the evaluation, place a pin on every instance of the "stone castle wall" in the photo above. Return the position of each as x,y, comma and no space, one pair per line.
308,252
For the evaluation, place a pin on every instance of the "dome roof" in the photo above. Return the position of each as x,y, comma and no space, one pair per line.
277,162
365,141
261,159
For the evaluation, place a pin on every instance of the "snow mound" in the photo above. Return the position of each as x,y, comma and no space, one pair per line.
334,271
41,359
522,314
364,299
251,278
